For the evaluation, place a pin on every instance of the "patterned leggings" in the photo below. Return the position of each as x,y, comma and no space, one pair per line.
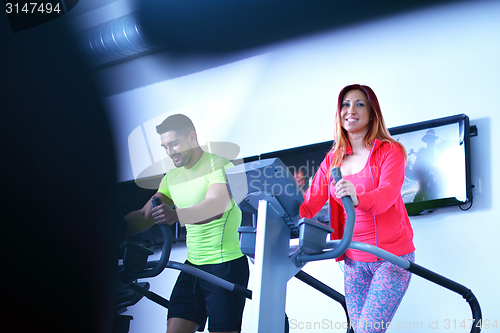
373,292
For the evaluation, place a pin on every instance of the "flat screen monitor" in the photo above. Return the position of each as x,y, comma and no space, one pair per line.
437,172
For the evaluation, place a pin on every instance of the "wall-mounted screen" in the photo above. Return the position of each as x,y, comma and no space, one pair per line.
438,169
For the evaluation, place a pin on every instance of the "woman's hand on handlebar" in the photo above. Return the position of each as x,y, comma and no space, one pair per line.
344,188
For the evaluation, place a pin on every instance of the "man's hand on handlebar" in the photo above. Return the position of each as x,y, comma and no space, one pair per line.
163,214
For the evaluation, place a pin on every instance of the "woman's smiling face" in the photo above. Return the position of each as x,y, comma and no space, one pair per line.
355,113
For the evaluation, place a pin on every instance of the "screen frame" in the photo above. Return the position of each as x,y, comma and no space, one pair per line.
428,206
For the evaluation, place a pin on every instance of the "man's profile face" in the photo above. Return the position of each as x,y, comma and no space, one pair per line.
178,147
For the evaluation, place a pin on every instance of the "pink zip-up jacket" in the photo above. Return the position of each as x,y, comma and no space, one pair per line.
392,226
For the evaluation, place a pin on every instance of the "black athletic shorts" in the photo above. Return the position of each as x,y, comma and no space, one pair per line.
195,299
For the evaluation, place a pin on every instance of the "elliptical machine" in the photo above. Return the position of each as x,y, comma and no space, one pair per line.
135,266
267,190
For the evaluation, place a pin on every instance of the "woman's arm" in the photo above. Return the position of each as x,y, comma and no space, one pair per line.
317,194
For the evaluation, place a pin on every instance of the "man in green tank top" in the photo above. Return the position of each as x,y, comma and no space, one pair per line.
196,195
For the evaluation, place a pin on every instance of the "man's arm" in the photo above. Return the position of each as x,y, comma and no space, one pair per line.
140,220
211,208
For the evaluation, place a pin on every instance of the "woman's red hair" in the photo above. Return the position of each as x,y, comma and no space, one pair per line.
377,128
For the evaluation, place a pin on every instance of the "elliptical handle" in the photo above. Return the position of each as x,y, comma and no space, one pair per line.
350,220
161,264
336,174
348,230
167,244
340,249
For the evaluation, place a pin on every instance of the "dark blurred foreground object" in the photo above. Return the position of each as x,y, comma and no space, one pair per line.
59,230
227,25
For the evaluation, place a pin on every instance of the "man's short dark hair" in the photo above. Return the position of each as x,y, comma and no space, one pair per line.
178,122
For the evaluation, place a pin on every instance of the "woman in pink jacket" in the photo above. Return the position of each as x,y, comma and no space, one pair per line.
372,165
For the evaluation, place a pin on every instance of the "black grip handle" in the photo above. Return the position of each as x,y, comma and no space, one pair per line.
156,202
336,174
165,251
242,291
350,219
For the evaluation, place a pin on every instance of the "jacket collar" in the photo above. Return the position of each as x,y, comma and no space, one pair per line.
348,149
376,144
